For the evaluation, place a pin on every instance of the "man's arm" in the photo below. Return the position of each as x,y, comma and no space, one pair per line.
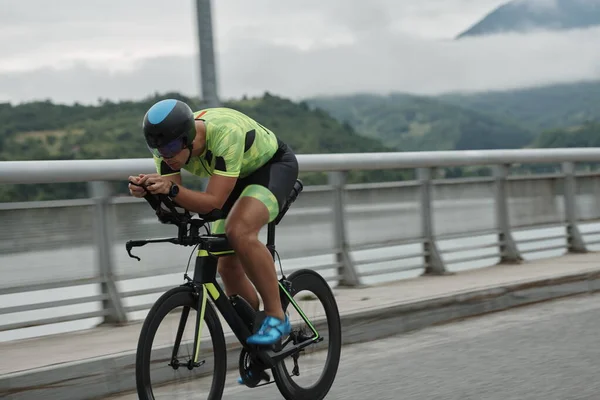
218,190
228,152
162,169
175,178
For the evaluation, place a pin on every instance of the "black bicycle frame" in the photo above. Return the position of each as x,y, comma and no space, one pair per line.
205,283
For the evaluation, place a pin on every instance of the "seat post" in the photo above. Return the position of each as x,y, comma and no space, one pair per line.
271,238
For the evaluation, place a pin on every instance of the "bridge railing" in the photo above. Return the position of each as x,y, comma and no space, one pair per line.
352,233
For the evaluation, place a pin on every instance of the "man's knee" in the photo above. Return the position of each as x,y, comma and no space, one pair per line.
245,221
238,231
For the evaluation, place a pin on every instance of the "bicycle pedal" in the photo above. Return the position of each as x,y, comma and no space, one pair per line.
277,346
266,383
265,376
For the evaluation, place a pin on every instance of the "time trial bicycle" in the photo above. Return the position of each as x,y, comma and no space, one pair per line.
172,361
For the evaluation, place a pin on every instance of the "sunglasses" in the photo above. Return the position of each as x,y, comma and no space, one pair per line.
172,148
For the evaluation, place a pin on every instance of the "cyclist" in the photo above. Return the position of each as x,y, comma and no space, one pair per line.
251,173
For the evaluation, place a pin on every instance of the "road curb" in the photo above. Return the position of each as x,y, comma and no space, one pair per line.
104,376
379,323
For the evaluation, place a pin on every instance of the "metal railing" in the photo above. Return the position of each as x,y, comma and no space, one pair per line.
348,205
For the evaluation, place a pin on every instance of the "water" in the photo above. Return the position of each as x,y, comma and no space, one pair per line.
488,257
56,243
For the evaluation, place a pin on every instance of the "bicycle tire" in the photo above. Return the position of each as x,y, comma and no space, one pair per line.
176,297
306,279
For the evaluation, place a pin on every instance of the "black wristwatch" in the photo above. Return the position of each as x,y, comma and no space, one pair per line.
173,190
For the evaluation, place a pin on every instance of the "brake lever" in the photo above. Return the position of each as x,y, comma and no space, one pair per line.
134,243
139,243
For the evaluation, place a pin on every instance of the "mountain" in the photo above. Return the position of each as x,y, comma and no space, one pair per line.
585,135
415,123
563,115
527,15
540,108
43,130
46,131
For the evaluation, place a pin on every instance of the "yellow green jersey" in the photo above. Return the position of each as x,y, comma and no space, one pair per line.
236,145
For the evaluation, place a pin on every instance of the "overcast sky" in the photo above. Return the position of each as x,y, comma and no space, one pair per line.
74,50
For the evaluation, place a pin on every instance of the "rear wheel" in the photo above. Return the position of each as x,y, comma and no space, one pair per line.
297,376
162,373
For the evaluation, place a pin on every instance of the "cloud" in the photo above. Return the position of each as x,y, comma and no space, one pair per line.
86,85
114,33
296,49
375,61
380,63
110,33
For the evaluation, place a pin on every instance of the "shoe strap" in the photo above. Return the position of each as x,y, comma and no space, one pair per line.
266,327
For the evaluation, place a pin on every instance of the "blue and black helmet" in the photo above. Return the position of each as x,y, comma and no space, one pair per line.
167,123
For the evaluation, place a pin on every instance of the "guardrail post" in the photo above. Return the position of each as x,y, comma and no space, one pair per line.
434,265
347,272
101,194
509,253
575,242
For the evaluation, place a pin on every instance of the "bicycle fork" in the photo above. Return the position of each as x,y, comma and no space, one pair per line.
193,362
199,323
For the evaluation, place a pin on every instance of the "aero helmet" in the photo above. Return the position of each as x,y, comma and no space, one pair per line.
169,127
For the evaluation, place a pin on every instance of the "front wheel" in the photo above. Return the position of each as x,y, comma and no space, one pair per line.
301,376
165,365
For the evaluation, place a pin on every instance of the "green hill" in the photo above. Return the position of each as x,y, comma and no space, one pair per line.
541,108
586,135
44,131
553,116
416,123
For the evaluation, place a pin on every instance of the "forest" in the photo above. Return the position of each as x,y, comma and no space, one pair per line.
566,115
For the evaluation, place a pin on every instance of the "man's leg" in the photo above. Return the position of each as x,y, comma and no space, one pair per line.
262,197
235,280
243,225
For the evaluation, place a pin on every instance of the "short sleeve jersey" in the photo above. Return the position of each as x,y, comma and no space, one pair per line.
236,145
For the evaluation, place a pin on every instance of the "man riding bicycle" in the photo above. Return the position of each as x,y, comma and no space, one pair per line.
251,172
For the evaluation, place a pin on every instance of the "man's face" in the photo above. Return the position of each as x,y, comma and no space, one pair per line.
178,160
175,153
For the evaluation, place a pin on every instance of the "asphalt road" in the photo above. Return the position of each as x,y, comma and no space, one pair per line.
549,351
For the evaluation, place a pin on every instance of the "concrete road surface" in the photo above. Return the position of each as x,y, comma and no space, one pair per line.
550,351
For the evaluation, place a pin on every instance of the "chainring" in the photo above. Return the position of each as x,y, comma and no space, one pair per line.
251,373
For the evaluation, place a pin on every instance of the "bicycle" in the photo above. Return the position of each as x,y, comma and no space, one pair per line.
253,361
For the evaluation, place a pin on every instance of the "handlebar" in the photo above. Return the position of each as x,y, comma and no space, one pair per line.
167,213
189,227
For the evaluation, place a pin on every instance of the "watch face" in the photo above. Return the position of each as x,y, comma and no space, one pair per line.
174,190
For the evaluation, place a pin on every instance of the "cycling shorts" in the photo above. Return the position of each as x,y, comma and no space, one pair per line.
271,184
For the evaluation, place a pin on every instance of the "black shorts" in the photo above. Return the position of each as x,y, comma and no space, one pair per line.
272,184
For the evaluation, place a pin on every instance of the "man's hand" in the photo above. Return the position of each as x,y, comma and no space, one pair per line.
156,183
136,191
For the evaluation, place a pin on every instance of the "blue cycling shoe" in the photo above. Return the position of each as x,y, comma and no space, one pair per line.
271,330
